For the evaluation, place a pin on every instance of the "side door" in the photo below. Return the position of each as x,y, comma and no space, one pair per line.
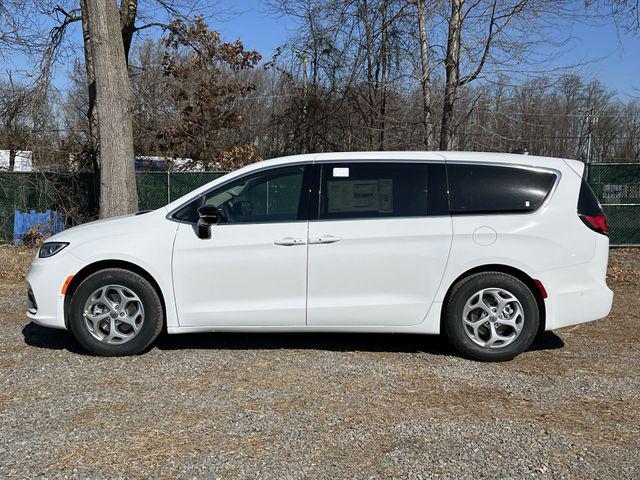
253,269
379,244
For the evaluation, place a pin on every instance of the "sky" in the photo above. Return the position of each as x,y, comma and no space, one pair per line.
617,53
601,52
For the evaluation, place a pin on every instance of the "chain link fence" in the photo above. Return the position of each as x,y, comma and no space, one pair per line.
617,185
76,195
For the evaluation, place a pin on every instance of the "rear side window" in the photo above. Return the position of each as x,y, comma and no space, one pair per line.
379,190
496,189
587,202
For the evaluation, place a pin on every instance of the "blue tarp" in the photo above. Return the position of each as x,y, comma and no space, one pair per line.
47,223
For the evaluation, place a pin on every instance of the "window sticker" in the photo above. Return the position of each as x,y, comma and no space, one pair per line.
341,172
360,196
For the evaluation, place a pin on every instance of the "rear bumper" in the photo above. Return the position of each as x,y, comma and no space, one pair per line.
581,306
579,293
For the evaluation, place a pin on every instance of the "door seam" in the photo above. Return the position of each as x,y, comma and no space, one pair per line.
306,289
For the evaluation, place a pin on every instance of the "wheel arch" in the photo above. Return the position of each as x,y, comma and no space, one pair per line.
94,267
510,270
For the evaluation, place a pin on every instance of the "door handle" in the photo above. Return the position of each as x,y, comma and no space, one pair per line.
324,239
289,242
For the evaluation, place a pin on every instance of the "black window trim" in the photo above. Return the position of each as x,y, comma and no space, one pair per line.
313,166
547,199
313,187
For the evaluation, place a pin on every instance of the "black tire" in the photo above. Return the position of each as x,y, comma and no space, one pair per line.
153,312
464,290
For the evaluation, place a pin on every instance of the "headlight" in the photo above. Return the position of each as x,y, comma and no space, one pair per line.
49,249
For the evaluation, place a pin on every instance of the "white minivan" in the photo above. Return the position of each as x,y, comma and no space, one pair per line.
489,248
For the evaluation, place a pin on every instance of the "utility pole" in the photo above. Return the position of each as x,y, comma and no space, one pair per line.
589,119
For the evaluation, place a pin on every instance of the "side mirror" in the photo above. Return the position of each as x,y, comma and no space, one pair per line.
208,215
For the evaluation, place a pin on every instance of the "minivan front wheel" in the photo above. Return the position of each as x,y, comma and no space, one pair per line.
115,312
491,316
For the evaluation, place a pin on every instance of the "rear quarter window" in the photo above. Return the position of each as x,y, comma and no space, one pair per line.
497,189
588,203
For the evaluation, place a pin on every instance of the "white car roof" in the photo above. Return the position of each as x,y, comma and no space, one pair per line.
399,156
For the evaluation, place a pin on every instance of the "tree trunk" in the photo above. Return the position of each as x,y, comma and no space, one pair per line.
92,112
128,12
383,77
113,99
424,79
12,159
306,147
370,80
452,72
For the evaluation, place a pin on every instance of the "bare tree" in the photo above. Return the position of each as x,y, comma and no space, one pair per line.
425,70
495,18
129,14
118,194
13,106
626,13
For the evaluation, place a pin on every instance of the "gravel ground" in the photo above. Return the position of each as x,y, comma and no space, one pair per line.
321,406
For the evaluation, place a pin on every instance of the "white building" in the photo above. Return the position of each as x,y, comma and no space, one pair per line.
150,162
23,161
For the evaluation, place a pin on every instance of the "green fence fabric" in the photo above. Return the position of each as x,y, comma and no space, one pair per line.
76,195
617,186
73,195
615,183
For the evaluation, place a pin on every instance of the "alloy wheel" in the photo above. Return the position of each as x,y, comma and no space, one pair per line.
493,318
113,314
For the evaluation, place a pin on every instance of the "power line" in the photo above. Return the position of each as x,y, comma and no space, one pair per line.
549,114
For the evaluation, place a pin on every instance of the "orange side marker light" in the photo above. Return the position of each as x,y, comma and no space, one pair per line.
66,284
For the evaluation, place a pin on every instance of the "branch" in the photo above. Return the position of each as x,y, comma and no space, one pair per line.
164,26
493,31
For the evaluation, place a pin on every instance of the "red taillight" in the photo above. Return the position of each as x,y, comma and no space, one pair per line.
597,223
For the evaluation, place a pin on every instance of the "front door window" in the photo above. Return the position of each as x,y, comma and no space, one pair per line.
265,197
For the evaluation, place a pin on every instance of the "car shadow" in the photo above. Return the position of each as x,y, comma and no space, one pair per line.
331,341
41,337
547,341
51,338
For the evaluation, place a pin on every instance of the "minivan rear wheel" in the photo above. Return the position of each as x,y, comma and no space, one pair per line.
115,312
491,316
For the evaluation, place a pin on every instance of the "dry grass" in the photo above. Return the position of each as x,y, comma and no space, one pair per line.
624,266
15,261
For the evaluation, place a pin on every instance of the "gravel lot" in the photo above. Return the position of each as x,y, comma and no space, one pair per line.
321,406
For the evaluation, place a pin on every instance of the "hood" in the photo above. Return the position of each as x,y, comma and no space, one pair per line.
105,227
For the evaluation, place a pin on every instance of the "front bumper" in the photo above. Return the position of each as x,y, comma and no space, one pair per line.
45,301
